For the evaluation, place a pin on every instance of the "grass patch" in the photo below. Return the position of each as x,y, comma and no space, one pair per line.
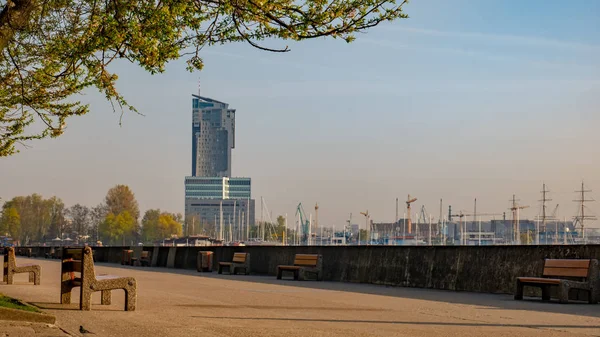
9,302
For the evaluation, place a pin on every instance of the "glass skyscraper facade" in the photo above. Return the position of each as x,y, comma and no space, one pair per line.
213,137
217,188
211,192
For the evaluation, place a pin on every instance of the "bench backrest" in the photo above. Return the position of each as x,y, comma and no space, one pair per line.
145,254
566,268
239,257
9,259
78,260
309,260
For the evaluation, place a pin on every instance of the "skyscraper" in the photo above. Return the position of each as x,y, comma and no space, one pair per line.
214,199
213,137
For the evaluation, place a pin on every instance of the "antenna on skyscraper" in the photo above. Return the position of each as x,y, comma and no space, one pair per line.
199,87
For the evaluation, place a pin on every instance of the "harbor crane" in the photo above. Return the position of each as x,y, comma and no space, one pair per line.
367,216
408,202
304,223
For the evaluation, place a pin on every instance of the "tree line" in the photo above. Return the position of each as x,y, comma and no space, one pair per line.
32,220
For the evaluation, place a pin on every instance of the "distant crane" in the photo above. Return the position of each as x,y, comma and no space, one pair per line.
462,224
408,202
367,215
423,218
516,225
303,222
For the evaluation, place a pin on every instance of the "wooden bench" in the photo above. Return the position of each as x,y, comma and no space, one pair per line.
81,261
566,275
24,252
240,261
11,268
304,263
127,257
145,258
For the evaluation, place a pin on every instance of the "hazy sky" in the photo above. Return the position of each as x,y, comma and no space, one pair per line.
466,99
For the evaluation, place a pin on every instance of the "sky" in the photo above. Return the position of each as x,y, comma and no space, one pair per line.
463,100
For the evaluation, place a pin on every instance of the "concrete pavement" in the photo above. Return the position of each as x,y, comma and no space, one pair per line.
27,329
186,303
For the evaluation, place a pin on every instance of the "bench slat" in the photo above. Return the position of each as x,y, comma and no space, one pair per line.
73,253
239,257
107,277
305,256
303,263
563,263
306,259
538,280
72,266
568,272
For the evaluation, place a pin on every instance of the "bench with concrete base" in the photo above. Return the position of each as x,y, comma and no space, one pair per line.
240,261
145,258
24,252
81,261
566,275
11,268
303,264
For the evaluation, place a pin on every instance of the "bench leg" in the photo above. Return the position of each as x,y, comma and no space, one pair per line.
592,299
232,270
106,297
9,277
279,272
65,293
220,270
131,295
85,301
297,275
519,291
545,293
563,293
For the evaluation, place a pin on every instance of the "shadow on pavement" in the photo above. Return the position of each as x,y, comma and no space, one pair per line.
271,307
533,326
72,306
484,300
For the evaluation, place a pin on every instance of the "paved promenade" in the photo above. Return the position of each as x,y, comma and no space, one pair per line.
186,303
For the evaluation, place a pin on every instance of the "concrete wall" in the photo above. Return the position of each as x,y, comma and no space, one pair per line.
491,269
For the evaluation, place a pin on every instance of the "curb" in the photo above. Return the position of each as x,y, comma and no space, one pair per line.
8,314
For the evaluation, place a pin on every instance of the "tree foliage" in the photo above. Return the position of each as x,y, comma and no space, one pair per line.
33,220
53,49
120,199
157,226
10,223
41,219
80,217
117,228
97,215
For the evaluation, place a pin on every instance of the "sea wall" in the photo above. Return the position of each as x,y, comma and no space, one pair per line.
490,269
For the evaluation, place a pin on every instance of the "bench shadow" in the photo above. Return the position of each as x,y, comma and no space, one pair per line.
72,306
277,307
484,301
457,324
